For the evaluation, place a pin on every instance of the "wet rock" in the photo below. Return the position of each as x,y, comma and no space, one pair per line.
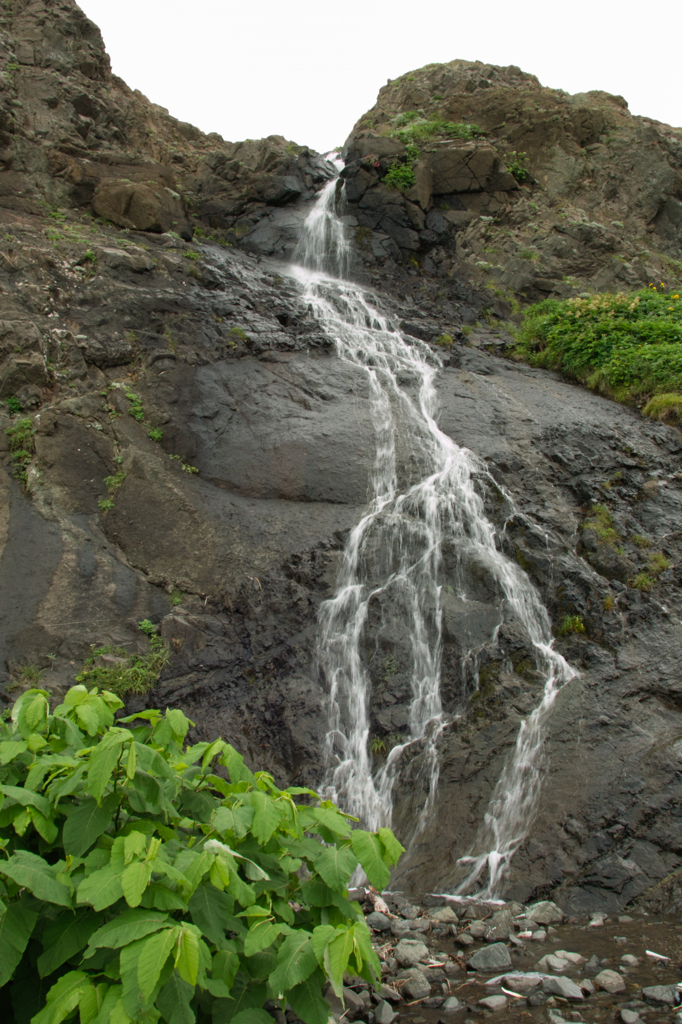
659,995
587,986
390,994
443,915
410,951
563,987
399,927
545,912
629,1017
552,963
409,912
477,929
499,926
573,958
522,982
609,981
539,935
464,940
378,921
494,1003
629,960
491,958
415,984
592,965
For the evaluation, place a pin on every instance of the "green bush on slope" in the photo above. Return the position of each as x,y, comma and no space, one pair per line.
144,879
629,347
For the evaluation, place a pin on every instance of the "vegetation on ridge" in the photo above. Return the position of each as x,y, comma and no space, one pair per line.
628,347
145,879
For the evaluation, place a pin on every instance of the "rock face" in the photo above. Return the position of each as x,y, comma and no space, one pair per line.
595,199
198,452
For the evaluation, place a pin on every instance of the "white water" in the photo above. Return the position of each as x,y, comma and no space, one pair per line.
391,564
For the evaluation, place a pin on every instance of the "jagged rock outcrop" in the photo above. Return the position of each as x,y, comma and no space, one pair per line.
225,524
597,203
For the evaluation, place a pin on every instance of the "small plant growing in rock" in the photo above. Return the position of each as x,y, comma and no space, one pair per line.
114,482
378,746
156,434
136,408
400,177
238,332
13,405
105,504
192,254
516,166
642,581
445,340
571,624
601,521
189,469
22,447
176,598
609,603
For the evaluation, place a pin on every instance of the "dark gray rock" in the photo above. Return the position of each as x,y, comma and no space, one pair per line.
378,921
491,958
660,995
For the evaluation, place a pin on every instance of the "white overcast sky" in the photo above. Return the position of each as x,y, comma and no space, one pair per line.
308,71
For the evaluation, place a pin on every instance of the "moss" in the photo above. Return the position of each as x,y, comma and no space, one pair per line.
600,521
667,408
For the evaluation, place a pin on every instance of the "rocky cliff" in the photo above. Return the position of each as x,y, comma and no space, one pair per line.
195,452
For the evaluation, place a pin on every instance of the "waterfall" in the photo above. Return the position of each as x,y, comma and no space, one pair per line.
390,567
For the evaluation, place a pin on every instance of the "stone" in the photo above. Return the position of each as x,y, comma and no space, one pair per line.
494,1003
522,982
563,987
539,935
443,915
587,986
409,952
421,924
499,926
609,981
390,994
545,912
660,995
451,1004
555,1017
464,940
491,958
143,206
629,1017
399,927
409,912
573,958
477,929
378,921
629,960
415,984
597,921
552,963
384,1013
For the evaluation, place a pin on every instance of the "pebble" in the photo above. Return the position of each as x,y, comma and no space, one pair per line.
409,912
597,921
610,982
378,921
539,936
620,939
573,958
477,929
415,984
552,963
587,986
555,1017
443,915
399,927
625,919
451,1004
629,1017
493,1002
521,982
389,993
464,940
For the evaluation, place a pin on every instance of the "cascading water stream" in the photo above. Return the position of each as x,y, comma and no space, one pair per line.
391,563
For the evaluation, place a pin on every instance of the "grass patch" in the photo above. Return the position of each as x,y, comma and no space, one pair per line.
571,624
628,347
112,668
666,408
642,581
601,521
400,177
412,127
22,446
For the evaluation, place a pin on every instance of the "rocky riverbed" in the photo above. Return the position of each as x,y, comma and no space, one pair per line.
450,960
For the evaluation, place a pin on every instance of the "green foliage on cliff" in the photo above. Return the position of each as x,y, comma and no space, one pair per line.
626,346
413,127
144,879
400,177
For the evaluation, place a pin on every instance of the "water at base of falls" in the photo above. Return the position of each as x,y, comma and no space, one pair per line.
389,577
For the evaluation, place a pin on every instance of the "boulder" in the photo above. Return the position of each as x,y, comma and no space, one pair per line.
610,981
451,1004
522,982
18,371
443,915
384,1013
460,168
493,1003
378,921
552,963
492,958
409,952
143,206
499,926
658,995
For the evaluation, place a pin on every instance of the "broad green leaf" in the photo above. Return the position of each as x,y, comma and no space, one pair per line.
112,997
224,966
38,876
27,798
136,999
336,865
134,845
393,849
152,955
187,956
91,1002
317,893
327,816
235,819
152,761
178,722
33,713
63,998
369,849
103,761
211,911
101,888
266,816
246,995
336,957
160,897
64,937
87,823
252,1016
16,926
134,881
174,1001
131,762
87,717
128,927
295,961
306,999
261,935
45,827
364,949
322,935
9,749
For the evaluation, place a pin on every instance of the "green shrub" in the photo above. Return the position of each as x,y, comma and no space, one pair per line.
136,409
13,405
601,521
113,668
516,166
412,128
626,346
400,177
156,434
105,504
571,624
22,446
148,880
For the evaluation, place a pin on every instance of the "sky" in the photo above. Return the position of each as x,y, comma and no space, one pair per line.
308,72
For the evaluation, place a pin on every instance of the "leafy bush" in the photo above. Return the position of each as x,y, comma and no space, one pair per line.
113,668
626,346
13,405
146,880
516,166
571,624
22,446
400,177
